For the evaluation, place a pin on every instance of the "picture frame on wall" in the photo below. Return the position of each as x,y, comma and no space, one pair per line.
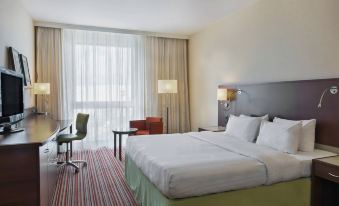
25,70
14,60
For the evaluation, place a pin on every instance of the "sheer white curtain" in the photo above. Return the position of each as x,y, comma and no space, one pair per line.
103,74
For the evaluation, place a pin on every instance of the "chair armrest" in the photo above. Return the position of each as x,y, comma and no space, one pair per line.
139,124
156,128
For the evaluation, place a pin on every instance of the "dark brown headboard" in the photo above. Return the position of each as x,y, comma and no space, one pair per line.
291,100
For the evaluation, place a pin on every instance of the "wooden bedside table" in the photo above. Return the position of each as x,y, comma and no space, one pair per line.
212,129
325,181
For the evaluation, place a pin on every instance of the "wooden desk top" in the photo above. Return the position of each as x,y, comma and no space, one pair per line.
38,130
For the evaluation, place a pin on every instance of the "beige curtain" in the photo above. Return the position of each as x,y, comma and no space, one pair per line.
48,68
167,59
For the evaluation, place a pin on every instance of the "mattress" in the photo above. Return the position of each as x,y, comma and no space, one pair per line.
195,164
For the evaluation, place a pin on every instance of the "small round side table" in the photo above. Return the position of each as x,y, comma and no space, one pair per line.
120,132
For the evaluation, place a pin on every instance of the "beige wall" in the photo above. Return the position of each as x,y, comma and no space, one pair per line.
271,40
16,30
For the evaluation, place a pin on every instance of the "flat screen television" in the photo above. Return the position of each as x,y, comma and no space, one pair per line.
11,99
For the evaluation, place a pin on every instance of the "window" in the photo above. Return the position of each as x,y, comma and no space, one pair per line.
103,75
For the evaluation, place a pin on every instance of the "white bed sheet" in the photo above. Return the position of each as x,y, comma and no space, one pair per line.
193,164
306,158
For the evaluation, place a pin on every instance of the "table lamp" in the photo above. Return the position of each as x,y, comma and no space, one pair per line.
167,87
42,89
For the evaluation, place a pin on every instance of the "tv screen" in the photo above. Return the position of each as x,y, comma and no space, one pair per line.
11,95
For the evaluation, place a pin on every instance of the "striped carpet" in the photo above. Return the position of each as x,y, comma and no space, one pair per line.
101,183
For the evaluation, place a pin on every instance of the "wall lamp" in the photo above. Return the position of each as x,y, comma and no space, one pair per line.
226,95
333,90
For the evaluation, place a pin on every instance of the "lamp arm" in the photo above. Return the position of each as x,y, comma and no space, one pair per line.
227,105
333,90
321,98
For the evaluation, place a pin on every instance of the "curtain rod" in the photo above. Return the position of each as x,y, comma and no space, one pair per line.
104,29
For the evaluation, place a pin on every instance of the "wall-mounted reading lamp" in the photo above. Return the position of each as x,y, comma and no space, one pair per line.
225,95
333,90
222,96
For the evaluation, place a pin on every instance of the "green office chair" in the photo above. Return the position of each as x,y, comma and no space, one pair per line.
81,126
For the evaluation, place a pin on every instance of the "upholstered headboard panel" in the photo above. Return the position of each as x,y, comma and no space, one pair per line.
291,100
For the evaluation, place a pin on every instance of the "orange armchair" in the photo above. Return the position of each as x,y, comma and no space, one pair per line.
152,125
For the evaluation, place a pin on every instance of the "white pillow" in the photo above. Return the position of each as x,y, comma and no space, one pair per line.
245,128
265,117
261,118
282,137
307,133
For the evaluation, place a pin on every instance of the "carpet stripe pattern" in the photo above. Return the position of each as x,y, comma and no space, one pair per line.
101,183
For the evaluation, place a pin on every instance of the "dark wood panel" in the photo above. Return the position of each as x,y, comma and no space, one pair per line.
13,160
19,193
324,170
291,100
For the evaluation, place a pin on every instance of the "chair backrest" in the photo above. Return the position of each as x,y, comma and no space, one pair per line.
152,119
81,123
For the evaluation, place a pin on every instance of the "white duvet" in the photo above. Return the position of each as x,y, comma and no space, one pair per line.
198,163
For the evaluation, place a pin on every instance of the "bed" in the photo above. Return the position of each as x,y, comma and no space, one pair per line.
215,168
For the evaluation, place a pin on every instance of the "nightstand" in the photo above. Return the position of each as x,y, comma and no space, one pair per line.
212,129
325,181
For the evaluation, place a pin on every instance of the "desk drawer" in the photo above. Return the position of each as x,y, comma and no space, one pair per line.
326,171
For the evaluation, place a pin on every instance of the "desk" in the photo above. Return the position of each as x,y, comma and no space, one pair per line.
28,160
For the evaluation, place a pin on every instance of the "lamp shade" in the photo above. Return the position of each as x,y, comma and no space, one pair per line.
41,88
167,86
222,94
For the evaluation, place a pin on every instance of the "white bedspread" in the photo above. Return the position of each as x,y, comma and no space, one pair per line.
279,166
193,164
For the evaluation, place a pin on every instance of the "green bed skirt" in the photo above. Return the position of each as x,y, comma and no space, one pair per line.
292,193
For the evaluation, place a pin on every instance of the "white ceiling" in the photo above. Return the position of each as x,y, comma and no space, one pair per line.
183,17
